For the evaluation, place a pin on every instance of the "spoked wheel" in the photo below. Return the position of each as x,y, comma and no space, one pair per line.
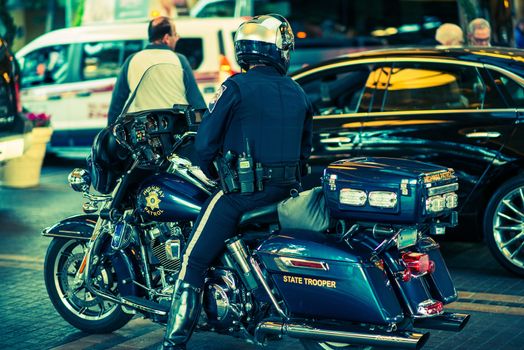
76,304
504,225
314,345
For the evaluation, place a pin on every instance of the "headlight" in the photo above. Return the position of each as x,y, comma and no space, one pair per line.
352,197
435,204
451,200
382,199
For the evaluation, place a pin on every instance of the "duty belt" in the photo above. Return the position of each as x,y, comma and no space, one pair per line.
280,173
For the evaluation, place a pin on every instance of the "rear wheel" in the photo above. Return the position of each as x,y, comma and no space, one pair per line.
504,225
77,305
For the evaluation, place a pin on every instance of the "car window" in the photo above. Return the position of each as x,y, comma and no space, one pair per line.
193,49
46,66
104,59
337,91
513,91
374,89
421,86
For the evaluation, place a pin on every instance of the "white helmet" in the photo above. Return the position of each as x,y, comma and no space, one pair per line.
266,39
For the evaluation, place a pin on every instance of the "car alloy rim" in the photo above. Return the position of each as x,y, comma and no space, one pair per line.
508,226
80,301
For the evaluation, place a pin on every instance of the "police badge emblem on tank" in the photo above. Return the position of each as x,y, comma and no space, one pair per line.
215,98
153,195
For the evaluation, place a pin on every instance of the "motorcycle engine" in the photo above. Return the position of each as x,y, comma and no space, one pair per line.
225,300
167,243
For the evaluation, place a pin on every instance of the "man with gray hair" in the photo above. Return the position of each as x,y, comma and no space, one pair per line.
449,34
479,32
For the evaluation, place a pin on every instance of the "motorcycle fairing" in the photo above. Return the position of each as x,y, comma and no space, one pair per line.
76,227
349,287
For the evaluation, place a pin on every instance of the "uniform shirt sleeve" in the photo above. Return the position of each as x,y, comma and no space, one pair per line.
120,94
215,122
193,95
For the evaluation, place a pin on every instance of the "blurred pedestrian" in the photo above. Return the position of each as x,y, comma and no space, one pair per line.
479,32
449,34
169,79
519,34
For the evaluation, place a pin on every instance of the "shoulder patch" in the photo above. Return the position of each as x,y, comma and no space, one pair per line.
215,98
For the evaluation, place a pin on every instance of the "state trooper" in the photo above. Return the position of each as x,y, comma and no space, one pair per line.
266,109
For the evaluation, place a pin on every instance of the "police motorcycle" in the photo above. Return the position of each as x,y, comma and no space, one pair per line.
369,280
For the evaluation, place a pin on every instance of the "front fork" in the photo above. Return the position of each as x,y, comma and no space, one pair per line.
83,271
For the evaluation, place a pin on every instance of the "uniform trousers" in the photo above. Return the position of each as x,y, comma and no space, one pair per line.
217,222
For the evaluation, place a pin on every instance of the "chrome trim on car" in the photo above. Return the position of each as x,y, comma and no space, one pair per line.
412,112
386,60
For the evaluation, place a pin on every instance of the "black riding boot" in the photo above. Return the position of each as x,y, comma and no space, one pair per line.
183,316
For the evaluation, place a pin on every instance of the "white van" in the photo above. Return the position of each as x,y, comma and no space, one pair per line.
70,73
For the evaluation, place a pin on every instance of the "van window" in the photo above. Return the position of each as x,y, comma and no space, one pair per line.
193,49
104,59
218,9
46,66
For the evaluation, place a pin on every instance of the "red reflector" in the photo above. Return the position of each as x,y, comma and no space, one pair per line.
430,307
418,263
310,264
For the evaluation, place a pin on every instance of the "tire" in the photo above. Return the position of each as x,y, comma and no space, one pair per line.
504,225
315,345
79,307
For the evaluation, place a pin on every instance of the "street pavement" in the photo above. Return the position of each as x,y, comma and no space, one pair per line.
494,297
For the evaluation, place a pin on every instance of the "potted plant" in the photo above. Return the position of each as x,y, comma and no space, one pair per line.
24,171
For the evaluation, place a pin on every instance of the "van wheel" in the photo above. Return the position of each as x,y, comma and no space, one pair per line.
504,225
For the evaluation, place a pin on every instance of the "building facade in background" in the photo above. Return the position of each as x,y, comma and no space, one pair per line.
398,22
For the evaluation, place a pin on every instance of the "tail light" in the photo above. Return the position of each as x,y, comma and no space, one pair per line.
17,97
416,264
430,307
225,66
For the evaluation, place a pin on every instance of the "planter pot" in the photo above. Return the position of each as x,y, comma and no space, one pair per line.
24,171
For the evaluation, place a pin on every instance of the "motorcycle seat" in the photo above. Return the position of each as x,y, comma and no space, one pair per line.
262,215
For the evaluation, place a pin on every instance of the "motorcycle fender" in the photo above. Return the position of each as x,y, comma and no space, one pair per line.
75,227
126,272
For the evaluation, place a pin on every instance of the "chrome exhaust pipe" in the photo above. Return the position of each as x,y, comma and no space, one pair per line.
350,335
446,322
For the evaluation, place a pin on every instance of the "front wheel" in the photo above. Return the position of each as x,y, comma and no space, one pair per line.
504,225
315,345
79,306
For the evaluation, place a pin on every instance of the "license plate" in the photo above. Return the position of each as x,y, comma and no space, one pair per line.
406,238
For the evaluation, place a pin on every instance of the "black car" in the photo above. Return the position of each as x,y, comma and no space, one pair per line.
457,107
12,125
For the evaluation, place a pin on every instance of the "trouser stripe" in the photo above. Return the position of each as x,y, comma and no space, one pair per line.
196,236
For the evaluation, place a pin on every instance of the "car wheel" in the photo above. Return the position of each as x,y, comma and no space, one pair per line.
504,225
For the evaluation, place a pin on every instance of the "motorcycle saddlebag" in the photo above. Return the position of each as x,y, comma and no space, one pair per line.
107,161
320,277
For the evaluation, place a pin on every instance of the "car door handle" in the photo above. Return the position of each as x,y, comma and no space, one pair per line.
337,140
83,94
54,97
483,135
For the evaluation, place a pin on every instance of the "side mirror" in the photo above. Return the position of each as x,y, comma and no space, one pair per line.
80,180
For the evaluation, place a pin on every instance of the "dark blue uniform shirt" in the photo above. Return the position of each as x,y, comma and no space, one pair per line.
268,108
